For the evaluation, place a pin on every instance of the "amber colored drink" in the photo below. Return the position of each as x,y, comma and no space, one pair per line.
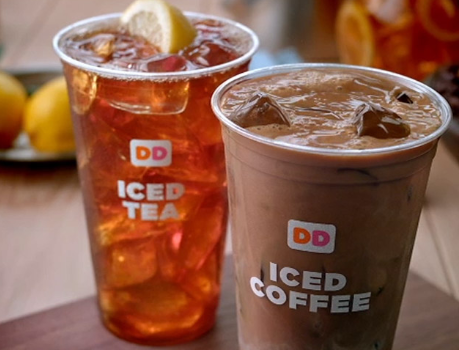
410,37
151,165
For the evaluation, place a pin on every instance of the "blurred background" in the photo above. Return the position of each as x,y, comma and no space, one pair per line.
44,253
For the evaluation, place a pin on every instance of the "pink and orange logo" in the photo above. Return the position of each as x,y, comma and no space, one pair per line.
154,153
311,237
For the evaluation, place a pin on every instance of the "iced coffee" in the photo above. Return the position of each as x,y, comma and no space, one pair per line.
327,169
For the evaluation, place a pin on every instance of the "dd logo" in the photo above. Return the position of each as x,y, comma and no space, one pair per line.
154,153
311,237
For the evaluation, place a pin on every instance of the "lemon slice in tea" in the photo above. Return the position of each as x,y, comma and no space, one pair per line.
160,23
354,34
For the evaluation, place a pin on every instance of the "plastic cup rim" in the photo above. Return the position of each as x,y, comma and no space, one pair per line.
441,103
136,75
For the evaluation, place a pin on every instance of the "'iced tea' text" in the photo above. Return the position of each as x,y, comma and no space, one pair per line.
142,197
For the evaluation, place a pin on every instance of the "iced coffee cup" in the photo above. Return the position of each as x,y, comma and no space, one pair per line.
327,169
151,162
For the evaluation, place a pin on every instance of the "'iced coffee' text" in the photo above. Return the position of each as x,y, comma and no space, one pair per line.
152,201
310,281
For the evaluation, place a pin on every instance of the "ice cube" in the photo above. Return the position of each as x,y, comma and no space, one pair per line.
170,268
157,98
259,110
187,249
127,263
114,226
201,164
210,29
105,154
126,52
209,53
165,63
204,283
403,97
188,204
155,307
127,126
199,118
194,194
103,45
112,121
202,122
82,89
203,233
379,122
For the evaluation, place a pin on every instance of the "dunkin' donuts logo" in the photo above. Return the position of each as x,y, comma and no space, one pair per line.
311,237
317,290
154,153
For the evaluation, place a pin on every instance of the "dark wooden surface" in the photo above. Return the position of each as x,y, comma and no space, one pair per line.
429,321
44,253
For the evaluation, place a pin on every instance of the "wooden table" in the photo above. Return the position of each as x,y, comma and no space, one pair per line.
429,321
44,254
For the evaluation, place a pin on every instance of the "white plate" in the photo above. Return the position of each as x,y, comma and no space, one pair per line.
23,152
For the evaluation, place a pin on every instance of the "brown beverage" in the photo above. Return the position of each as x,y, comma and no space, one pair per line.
152,170
327,169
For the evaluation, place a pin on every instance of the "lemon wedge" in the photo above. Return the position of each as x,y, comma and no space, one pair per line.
47,118
12,101
354,34
160,23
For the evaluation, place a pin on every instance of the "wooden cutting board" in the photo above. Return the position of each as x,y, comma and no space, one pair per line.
429,321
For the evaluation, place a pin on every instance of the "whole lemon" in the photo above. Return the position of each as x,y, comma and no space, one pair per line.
47,118
12,100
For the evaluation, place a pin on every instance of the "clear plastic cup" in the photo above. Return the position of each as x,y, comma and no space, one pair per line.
151,165
322,238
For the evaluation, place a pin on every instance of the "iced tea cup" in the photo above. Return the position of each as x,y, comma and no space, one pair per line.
322,236
152,171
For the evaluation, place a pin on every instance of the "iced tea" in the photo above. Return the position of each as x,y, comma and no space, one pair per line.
411,37
151,165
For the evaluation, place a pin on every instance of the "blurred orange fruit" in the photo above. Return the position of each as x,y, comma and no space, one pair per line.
354,34
12,101
440,18
47,118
